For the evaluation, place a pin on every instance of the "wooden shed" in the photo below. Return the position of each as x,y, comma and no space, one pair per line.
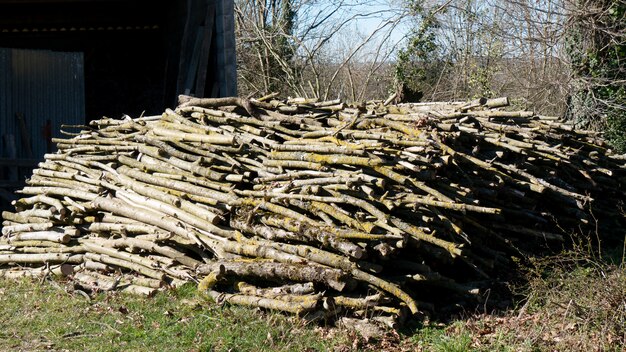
71,61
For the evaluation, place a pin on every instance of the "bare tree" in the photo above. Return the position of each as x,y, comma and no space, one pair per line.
312,48
544,54
498,47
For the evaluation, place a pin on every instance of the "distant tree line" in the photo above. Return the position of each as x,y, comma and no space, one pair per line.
557,57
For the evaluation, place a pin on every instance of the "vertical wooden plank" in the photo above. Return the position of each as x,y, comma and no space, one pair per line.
207,40
192,68
186,45
214,73
227,60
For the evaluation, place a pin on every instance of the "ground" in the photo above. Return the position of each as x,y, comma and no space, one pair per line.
568,304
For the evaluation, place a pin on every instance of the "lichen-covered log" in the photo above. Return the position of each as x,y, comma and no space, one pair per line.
273,271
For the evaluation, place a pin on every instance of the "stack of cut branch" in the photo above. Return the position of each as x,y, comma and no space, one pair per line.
311,207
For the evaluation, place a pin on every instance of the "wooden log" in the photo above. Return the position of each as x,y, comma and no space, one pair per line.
40,258
185,100
151,248
295,307
272,271
51,236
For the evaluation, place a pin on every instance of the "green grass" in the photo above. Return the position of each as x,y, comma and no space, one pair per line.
442,339
40,316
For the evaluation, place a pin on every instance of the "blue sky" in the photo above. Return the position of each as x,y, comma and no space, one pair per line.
365,17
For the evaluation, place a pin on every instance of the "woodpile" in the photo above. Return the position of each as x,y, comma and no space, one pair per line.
321,209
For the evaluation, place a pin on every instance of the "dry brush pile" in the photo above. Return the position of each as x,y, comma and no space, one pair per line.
321,209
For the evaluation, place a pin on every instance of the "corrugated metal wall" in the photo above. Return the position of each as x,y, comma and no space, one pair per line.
40,85
5,101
